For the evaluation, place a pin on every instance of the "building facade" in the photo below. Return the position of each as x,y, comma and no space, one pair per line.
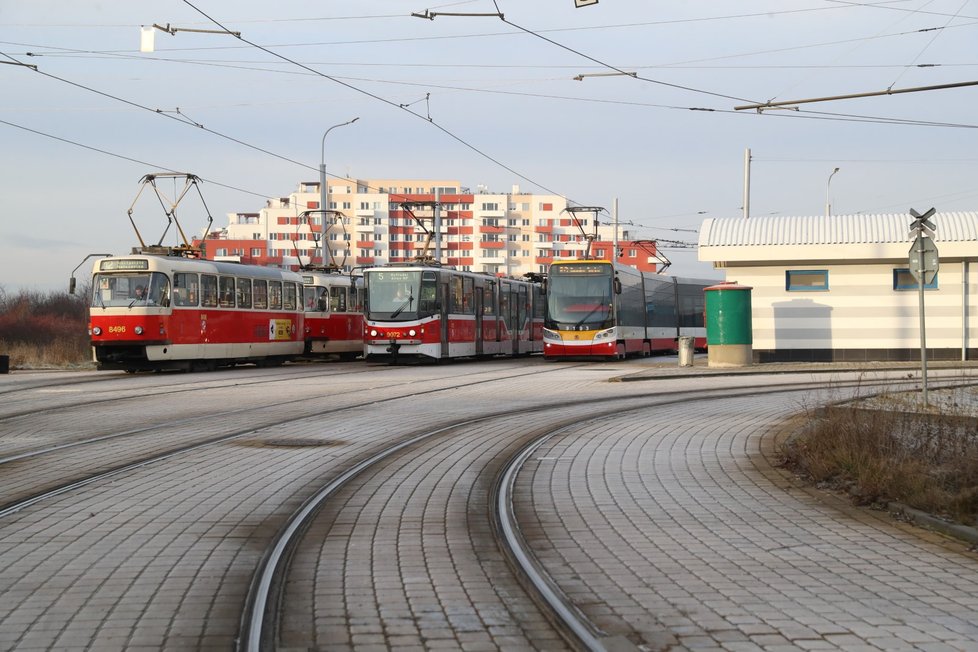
840,287
380,221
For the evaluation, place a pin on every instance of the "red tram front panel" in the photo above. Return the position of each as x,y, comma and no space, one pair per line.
432,312
158,312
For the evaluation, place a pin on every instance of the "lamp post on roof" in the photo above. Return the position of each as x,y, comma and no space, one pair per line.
323,191
828,203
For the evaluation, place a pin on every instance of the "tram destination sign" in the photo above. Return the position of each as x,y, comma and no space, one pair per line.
578,269
121,264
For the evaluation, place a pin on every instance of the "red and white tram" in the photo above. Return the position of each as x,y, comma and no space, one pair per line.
174,312
430,312
601,309
333,305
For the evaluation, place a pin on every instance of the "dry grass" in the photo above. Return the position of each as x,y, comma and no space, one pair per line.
882,451
60,354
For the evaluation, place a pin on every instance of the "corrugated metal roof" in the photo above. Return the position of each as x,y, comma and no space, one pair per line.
835,229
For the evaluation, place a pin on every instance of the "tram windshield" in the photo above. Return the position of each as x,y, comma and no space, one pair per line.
579,297
400,295
127,290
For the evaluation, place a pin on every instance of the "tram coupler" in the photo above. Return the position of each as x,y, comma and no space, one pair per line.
393,349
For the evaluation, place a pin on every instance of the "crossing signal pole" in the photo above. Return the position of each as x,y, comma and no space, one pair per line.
923,265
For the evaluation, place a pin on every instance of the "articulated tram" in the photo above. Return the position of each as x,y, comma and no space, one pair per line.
600,309
172,312
333,306
428,312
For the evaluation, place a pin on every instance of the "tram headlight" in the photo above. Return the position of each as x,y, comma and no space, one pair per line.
608,334
412,333
97,330
138,330
373,332
551,335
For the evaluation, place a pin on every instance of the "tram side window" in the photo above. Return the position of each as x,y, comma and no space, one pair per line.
275,295
226,295
461,289
427,301
455,294
244,293
288,296
261,295
337,299
185,289
208,291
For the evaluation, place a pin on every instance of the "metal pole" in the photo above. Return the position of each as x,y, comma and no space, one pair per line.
436,219
614,237
747,183
923,333
828,202
323,189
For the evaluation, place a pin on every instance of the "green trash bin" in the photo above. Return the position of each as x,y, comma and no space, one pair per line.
729,335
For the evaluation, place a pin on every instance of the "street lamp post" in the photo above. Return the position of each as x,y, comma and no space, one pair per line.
828,203
323,191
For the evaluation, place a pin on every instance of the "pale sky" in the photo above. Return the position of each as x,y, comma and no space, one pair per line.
486,100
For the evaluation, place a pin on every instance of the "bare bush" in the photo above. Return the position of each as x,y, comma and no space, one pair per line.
40,330
928,461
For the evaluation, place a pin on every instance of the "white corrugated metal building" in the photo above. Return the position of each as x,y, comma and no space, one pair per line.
839,287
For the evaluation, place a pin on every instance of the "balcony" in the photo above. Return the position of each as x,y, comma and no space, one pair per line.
364,212
489,244
491,229
365,260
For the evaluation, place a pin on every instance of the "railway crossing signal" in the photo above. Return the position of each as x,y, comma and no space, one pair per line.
922,224
923,266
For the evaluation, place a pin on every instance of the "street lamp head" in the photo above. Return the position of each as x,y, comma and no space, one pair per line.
835,170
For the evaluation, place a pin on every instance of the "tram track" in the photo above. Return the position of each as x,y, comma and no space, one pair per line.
139,391
260,628
479,438
14,503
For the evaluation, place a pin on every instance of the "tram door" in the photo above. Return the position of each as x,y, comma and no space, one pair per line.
522,319
444,298
477,298
507,305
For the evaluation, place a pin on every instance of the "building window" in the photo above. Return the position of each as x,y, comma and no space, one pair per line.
490,206
904,280
806,280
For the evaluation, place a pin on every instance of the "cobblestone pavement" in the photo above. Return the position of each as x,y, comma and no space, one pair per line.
672,528
667,526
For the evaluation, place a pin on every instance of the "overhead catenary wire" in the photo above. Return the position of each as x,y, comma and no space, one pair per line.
128,158
390,103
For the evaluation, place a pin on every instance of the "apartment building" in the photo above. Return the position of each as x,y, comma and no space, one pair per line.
380,221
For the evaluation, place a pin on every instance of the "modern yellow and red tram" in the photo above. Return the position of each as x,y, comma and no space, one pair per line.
429,312
173,312
333,305
601,309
